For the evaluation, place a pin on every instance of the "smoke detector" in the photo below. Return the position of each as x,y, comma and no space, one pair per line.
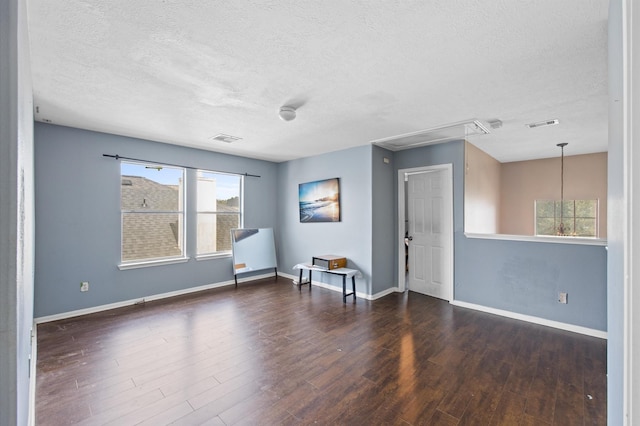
287,113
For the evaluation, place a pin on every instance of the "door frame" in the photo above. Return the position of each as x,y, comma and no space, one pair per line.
448,168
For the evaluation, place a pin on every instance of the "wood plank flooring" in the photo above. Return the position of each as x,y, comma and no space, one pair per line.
267,354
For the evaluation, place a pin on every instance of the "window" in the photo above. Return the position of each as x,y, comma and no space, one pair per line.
152,210
579,217
219,210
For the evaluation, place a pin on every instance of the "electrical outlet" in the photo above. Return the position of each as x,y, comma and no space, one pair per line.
84,286
562,297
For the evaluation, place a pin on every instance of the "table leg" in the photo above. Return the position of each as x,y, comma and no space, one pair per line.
353,286
300,281
344,289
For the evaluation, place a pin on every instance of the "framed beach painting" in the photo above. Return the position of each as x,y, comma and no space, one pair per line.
320,201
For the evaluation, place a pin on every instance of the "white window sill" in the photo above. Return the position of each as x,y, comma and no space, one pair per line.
540,239
135,265
213,256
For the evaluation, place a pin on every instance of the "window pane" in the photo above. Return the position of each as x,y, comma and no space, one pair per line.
545,208
568,208
585,227
218,192
150,188
219,210
148,236
214,231
586,208
545,226
568,226
152,202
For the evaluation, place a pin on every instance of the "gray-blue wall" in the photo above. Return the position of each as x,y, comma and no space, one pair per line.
78,222
520,277
351,237
448,153
452,152
78,218
384,227
526,277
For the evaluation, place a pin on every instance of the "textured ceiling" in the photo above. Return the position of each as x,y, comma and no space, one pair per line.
184,71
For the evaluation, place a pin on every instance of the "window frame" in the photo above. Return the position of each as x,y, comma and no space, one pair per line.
197,212
182,200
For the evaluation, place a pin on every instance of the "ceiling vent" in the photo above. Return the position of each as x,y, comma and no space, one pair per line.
224,138
440,134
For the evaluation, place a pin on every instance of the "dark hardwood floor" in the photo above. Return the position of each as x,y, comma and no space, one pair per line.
265,354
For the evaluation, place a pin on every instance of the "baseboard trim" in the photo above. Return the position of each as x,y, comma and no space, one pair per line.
535,320
32,375
100,308
49,318
385,292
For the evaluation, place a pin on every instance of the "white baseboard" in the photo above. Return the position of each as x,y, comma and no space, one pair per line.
130,302
385,292
536,320
528,318
32,375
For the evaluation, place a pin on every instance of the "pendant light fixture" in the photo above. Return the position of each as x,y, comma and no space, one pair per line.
561,229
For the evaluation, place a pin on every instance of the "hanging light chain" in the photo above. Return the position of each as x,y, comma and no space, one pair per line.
561,230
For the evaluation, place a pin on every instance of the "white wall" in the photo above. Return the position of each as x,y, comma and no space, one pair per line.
16,214
616,228
633,181
623,347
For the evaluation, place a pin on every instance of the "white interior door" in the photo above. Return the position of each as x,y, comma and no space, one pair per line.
430,233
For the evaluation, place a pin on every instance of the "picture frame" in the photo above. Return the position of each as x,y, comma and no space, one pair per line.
319,201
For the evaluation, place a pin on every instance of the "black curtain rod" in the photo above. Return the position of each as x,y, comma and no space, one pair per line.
120,157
